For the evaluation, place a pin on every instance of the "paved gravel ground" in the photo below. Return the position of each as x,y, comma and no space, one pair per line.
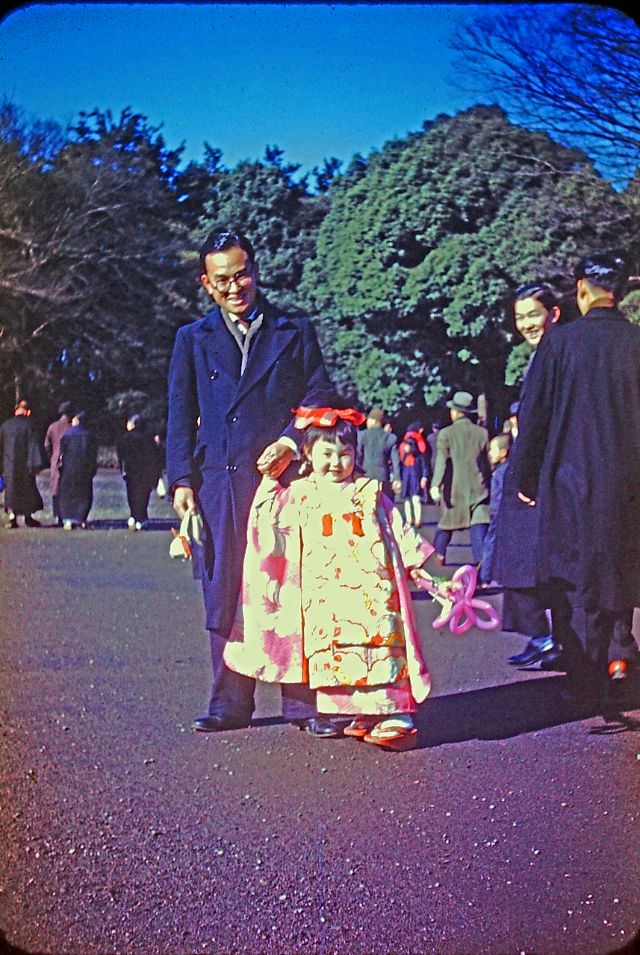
512,829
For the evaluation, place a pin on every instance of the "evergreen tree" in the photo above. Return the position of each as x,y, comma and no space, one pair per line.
424,241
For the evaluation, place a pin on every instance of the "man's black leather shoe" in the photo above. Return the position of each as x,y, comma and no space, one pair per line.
319,726
531,653
217,724
551,660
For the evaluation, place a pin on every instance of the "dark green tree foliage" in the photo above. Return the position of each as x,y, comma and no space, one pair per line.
278,213
103,236
423,243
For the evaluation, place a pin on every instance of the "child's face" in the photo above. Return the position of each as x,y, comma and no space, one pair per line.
497,454
331,460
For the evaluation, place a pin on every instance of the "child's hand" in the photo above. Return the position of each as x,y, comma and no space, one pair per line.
417,574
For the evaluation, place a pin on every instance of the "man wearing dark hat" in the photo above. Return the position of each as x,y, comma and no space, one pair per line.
577,460
378,452
461,478
52,447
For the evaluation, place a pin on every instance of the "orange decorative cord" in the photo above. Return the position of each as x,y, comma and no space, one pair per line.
327,525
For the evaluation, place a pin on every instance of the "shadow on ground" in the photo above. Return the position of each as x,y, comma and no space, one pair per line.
501,712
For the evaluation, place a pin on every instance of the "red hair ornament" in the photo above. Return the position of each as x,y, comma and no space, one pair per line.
326,417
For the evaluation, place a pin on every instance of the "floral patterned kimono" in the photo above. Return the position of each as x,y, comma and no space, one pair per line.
325,597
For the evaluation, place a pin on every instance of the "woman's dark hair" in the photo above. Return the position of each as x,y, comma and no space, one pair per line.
220,240
540,291
343,431
607,270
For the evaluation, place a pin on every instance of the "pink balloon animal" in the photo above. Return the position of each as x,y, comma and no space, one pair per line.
460,609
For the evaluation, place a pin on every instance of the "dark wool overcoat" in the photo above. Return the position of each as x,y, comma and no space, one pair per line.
220,422
21,456
78,465
139,458
578,456
514,562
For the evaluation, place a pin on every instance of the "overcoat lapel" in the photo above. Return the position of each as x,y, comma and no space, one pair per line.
264,352
221,352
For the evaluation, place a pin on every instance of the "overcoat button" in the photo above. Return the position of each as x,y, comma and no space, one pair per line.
213,375
235,418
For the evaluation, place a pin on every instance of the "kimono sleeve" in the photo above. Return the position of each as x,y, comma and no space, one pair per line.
266,638
414,549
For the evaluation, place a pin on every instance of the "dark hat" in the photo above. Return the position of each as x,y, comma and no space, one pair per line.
463,401
65,408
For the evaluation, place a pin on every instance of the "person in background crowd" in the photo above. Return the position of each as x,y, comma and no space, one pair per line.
78,463
139,464
499,448
234,377
52,449
21,458
162,487
460,480
510,425
377,455
535,311
414,473
577,462
432,443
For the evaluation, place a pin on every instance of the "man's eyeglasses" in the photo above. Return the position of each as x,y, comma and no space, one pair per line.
222,283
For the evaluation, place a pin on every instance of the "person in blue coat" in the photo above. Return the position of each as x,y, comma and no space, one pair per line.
234,378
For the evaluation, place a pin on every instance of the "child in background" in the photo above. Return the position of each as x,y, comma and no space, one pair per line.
325,596
414,473
499,448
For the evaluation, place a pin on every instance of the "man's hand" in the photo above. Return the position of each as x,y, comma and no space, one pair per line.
275,459
423,484
184,500
397,486
526,500
435,493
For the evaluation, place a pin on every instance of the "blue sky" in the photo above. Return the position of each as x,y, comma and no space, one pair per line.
314,79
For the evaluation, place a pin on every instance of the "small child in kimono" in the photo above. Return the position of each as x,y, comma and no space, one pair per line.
325,597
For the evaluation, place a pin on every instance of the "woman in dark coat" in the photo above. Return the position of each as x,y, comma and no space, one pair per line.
78,465
138,458
524,609
20,461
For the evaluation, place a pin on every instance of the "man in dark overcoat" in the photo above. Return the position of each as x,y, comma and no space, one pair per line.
234,379
21,458
577,459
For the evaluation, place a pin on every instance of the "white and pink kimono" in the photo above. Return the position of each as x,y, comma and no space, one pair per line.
325,597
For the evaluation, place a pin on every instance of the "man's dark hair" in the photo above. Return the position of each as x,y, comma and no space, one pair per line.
607,270
220,240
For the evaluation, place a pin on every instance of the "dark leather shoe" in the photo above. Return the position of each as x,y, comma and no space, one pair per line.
217,724
31,522
551,660
319,726
531,654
